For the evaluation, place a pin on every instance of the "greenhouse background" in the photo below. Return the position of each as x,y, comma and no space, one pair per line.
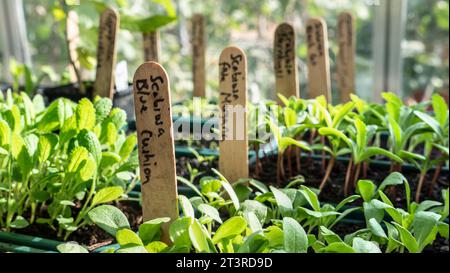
402,45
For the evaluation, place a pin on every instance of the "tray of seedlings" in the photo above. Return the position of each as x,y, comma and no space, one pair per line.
287,176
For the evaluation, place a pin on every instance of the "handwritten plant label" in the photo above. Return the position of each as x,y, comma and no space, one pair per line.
155,143
198,58
152,46
233,161
319,82
73,39
346,56
285,62
106,53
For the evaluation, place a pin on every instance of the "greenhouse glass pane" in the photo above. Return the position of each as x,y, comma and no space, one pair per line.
426,48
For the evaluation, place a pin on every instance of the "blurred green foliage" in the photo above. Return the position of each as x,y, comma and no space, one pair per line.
426,48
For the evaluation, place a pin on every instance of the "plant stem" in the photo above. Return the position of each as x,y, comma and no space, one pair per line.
279,166
365,168
324,162
347,176
436,175
423,174
298,152
289,161
311,140
327,173
356,177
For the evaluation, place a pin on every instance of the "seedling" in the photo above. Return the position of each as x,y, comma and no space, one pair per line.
335,148
360,152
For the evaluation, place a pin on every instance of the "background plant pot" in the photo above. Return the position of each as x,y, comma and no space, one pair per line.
5,86
122,99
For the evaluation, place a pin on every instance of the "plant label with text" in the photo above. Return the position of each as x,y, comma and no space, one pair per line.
155,143
233,161
106,53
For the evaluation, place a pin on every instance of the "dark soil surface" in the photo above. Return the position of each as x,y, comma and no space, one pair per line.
90,235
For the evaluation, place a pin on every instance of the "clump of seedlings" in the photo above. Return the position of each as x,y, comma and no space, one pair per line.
60,162
356,130
223,218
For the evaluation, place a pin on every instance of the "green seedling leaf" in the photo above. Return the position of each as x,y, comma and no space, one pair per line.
260,210
210,212
46,146
440,109
90,141
102,107
109,218
295,238
85,115
339,247
431,122
425,223
67,203
71,247
19,223
231,228
77,158
199,237
128,146
282,199
407,239
346,201
253,221
376,228
210,184
255,243
127,238
311,197
363,246
367,189
107,195
179,231
156,247
229,189
329,236
186,206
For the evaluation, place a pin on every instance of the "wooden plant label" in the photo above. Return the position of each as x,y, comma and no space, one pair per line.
285,62
346,56
152,46
319,82
106,53
73,39
233,161
155,143
198,57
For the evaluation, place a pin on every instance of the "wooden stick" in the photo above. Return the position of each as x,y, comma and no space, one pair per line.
73,39
346,56
233,161
152,46
155,142
106,53
285,62
198,57
319,82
